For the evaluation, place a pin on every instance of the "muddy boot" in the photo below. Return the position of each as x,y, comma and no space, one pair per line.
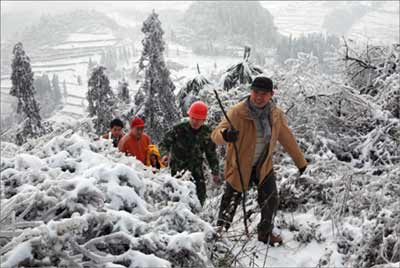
271,238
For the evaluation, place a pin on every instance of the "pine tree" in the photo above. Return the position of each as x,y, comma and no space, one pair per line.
123,91
241,73
65,92
56,89
101,99
159,111
188,94
91,65
22,88
44,94
79,80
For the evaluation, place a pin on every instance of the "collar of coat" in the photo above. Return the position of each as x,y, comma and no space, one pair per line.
244,112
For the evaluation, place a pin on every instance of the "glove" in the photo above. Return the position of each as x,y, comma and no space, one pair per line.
216,179
301,170
230,134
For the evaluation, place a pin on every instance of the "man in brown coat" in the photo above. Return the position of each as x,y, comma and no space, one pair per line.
258,125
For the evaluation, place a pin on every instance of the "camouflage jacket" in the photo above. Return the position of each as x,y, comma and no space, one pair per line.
188,147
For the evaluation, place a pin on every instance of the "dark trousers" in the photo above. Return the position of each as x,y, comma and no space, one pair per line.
200,183
267,198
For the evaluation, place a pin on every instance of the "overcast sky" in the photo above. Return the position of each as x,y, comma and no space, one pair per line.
56,6
59,6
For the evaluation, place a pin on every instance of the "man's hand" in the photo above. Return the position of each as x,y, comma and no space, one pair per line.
301,170
164,160
230,134
217,179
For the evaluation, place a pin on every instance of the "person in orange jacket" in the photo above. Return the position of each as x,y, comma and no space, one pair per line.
136,142
153,157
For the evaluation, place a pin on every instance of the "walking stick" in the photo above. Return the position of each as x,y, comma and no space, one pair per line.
238,165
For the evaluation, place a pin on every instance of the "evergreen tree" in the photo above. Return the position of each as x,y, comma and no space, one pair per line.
79,80
56,89
91,65
22,88
123,91
44,94
159,110
241,73
101,99
189,93
65,92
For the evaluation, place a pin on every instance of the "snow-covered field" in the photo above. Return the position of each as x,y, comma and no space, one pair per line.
301,17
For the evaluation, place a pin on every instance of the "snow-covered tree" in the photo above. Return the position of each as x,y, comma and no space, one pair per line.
101,99
79,80
241,73
45,95
91,65
22,88
123,91
159,108
56,89
188,94
65,92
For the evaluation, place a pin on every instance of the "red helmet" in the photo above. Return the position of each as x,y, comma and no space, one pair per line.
198,110
137,122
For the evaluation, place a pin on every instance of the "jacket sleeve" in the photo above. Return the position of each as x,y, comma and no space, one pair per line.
289,143
166,143
211,154
216,135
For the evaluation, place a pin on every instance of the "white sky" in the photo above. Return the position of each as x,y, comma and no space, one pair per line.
55,6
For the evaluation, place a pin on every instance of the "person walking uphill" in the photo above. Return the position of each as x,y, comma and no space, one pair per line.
258,124
135,143
187,142
115,134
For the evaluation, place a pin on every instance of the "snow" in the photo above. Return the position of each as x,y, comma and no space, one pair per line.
26,161
86,178
74,188
91,44
20,253
81,37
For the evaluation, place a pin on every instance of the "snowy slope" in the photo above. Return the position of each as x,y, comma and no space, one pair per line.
85,203
380,25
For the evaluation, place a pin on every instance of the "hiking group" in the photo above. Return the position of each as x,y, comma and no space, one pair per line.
254,126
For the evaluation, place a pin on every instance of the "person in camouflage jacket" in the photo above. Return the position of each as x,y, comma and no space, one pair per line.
187,144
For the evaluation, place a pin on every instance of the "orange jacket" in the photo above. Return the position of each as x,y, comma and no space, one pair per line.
131,146
152,149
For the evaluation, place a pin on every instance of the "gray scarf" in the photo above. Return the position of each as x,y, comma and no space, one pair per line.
262,115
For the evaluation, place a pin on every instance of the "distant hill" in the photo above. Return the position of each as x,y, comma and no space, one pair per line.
50,30
53,29
233,23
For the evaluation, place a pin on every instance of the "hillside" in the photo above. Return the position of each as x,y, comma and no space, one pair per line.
222,24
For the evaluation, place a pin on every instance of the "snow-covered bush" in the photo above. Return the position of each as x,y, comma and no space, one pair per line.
70,202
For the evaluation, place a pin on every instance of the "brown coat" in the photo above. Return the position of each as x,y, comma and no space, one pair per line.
242,121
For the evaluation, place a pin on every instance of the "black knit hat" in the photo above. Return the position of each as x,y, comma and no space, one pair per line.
262,83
